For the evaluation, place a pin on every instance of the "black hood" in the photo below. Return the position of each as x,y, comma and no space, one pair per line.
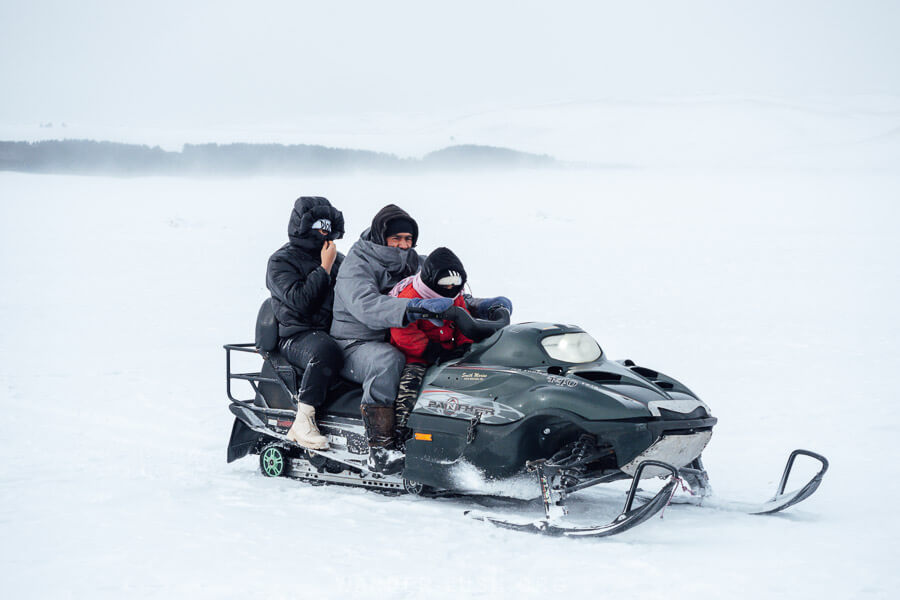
437,265
308,210
381,220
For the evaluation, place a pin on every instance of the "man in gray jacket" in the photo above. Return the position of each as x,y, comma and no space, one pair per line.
363,315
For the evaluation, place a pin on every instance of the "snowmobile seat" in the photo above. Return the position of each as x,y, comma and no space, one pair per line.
266,327
343,396
275,365
343,399
271,394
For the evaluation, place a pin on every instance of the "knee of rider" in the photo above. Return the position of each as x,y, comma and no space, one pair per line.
336,359
330,353
398,362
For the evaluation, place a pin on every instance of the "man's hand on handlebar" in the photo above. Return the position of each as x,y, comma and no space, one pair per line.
424,308
473,328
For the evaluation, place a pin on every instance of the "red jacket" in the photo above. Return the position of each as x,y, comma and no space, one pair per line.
413,339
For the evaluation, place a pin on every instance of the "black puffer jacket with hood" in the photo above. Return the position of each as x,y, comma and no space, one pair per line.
303,292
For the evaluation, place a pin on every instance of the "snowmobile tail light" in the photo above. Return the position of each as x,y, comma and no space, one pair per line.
423,437
572,347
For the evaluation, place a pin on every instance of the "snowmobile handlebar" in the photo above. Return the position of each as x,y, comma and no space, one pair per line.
474,329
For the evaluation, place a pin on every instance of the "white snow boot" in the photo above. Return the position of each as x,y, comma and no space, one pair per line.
304,430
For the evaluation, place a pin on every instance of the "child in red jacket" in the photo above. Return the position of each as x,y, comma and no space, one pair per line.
425,341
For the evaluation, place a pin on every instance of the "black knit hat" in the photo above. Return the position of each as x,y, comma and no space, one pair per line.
441,263
398,225
384,218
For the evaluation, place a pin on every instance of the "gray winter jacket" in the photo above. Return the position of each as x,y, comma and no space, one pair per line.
362,308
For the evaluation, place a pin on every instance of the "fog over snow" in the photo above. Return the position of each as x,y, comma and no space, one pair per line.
727,213
411,77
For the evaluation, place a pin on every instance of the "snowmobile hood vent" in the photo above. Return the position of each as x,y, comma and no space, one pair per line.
599,376
645,372
670,415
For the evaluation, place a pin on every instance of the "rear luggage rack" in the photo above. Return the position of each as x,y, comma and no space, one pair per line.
253,378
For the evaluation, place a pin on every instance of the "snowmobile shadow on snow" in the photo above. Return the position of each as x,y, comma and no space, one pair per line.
537,400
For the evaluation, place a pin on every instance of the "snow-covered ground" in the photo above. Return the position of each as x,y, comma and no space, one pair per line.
772,293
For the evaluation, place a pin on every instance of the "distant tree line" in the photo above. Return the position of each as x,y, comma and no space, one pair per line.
93,157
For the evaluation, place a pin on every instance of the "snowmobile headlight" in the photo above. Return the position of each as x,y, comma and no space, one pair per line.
572,347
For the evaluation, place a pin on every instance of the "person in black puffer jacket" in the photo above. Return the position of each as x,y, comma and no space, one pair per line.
301,276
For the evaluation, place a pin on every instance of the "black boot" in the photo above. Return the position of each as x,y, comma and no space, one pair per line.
379,422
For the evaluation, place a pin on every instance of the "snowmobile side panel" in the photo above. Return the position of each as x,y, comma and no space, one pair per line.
591,405
601,390
480,380
463,406
430,460
502,451
515,394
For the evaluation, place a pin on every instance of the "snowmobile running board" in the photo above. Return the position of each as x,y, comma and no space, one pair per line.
777,503
555,509
348,459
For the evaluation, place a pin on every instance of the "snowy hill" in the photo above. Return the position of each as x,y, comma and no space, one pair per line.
673,132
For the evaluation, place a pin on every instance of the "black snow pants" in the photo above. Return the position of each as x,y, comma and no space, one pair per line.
319,357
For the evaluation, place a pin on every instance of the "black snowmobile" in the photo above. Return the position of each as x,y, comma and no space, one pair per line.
530,397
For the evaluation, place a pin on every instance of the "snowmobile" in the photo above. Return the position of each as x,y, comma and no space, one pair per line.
536,398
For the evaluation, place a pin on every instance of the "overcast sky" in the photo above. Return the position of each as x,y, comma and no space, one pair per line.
218,63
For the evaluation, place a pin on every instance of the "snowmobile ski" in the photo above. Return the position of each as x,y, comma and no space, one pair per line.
555,509
701,495
781,500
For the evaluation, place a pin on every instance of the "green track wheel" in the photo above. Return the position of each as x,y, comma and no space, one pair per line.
272,461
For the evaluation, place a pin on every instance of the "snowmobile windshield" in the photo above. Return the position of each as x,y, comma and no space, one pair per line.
572,347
